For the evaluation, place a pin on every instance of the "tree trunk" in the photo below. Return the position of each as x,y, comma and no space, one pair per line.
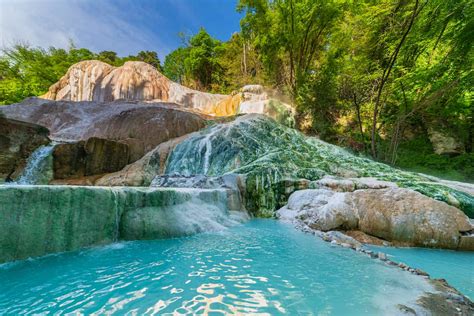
385,76
359,121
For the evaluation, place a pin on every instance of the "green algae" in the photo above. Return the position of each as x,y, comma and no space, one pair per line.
36,220
274,159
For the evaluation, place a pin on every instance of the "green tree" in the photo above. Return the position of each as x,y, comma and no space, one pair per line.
202,64
173,66
27,71
109,57
240,63
288,35
150,57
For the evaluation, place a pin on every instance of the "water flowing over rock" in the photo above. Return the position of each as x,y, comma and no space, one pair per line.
36,220
38,169
276,160
18,140
394,214
143,171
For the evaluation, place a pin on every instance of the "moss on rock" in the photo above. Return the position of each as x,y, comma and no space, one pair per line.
274,158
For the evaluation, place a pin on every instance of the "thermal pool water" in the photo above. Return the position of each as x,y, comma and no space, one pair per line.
261,267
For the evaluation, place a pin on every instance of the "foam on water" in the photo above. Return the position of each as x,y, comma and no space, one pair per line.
261,267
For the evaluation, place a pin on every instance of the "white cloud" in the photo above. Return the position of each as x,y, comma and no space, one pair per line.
97,25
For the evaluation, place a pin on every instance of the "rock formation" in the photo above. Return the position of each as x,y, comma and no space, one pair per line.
136,127
277,160
143,171
96,156
398,215
80,81
94,80
18,140
444,144
141,125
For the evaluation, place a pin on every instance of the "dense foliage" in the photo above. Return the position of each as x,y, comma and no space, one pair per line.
207,64
376,76
372,68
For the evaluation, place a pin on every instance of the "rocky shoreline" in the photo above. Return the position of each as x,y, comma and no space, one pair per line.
447,300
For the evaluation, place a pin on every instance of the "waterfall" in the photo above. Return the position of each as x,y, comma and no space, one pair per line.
38,169
207,155
116,197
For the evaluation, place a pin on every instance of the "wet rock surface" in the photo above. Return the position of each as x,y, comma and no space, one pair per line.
37,220
144,170
447,301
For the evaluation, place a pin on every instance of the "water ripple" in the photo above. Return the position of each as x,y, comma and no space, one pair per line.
260,268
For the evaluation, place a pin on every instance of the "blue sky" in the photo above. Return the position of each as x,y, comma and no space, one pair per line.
124,26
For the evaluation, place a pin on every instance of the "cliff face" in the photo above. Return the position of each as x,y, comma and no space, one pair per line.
18,140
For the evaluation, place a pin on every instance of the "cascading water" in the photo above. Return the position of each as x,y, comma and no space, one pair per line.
38,169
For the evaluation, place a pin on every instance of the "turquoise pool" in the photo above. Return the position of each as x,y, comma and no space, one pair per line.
263,266
457,267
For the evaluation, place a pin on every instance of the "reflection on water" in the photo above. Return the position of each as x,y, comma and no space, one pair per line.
260,268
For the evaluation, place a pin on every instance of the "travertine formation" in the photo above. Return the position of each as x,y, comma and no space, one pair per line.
37,220
94,80
394,214
80,81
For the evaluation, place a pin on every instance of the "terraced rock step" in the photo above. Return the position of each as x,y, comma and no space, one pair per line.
37,220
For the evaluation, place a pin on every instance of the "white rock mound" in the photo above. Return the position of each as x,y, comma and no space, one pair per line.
93,80
394,214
